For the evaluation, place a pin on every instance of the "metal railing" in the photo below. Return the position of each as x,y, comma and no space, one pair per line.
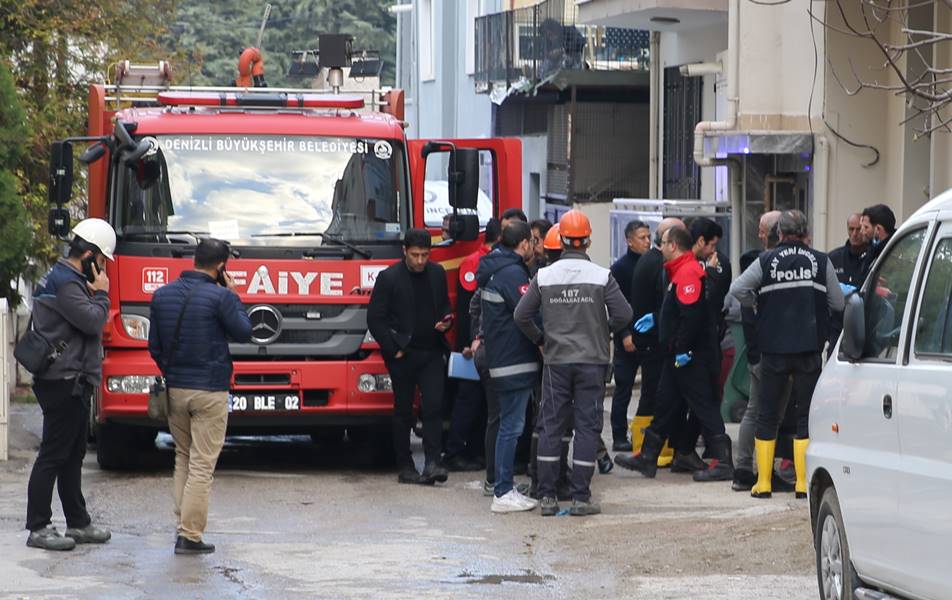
526,46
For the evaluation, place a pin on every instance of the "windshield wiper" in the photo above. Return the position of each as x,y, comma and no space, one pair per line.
162,232
323,236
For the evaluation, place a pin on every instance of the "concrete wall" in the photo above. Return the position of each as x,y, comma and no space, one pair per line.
534,153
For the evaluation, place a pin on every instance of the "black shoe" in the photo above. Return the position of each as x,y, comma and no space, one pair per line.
183,545
584,509
722,466
621,445
409,474
646,461
434,472
743,480
687,462
605,464
462,464
549,506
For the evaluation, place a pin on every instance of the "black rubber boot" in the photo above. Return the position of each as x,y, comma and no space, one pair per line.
646,461
687,462
722,466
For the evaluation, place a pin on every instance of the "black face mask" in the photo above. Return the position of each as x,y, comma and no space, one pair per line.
90,268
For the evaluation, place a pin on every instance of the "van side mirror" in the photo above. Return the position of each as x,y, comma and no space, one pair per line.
61,172
854,328
464,178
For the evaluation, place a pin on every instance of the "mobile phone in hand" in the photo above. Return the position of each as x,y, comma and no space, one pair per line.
221,278
90,269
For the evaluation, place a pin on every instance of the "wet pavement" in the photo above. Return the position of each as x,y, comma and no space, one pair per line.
291,518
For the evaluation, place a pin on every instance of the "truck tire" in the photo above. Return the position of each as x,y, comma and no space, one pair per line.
374,445
118,446
835,575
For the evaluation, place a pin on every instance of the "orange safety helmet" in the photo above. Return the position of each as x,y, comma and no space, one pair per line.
552,241
575,228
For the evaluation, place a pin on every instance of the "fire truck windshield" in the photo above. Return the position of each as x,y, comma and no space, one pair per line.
266,190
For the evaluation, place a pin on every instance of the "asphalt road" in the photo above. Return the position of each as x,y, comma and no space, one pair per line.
294,519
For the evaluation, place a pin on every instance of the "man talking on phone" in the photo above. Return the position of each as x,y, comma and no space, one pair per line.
408,314
70,308
193,320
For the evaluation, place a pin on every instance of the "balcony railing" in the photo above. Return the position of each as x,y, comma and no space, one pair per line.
526,46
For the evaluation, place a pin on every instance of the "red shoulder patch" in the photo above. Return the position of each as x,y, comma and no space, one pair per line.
688,293
467,272
687,282
523,289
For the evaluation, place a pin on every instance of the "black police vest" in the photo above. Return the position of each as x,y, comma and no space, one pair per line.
792,314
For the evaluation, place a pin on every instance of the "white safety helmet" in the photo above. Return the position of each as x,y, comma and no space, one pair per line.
99,233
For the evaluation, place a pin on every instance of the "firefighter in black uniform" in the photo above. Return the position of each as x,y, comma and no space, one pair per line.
796,293
688,341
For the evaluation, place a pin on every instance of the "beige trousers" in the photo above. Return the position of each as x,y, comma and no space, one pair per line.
197,421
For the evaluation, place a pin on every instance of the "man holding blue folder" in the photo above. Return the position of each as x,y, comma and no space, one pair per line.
513,360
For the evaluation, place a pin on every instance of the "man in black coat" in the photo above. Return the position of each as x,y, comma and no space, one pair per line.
408,314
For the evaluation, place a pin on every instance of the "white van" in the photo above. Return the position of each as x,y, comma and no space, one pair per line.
879,464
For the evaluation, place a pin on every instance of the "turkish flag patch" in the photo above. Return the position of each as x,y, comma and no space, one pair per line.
689,293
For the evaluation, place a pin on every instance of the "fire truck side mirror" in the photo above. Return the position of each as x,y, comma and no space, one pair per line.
464,178
61,172
464,228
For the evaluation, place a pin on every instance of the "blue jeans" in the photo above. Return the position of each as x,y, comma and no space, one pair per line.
512,419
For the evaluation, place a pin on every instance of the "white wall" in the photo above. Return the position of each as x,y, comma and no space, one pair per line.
534,153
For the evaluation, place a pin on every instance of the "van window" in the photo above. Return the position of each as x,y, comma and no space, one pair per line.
886,299
934,326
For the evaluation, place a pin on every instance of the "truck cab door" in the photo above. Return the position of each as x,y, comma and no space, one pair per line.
500,179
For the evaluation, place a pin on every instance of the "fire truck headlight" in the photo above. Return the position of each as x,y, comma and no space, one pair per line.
129,384
136,326
367,383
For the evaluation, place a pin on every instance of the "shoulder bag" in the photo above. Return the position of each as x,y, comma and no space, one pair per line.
158,392
35,352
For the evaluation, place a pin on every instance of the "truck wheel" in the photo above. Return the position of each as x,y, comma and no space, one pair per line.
117,446
834,570
374,445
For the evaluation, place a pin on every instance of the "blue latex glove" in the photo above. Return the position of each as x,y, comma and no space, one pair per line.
847,288
645,323
681,359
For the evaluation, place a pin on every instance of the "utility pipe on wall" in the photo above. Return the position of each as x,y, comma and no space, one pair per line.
654,150
733,63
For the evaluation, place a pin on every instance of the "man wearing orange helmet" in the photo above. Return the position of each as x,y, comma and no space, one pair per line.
572,296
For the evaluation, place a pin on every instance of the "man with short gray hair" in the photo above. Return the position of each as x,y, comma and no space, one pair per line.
796,293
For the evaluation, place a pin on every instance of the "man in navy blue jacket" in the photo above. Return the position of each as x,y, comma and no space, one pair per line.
198,376
513,360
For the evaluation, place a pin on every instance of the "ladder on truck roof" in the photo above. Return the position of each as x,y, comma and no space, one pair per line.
141,85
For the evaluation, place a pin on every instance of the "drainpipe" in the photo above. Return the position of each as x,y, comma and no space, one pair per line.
733,63
821,184
654,74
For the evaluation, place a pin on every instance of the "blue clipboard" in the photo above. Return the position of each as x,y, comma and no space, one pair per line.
461,367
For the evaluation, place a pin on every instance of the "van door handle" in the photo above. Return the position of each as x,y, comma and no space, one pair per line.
887,406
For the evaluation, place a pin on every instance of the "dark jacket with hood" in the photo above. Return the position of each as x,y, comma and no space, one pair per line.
67,314
512,359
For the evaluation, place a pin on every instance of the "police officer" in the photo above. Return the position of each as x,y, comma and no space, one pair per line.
796,291
688,340
572,296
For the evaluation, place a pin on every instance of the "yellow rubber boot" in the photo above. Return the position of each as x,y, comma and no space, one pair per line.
800,464
764,455
666,457
637,427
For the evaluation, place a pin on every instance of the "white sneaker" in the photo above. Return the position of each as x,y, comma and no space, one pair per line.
510,502
526,500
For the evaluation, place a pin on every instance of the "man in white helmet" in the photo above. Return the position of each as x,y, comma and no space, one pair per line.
70,308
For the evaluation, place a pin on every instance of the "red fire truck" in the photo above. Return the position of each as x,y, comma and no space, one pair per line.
313,191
